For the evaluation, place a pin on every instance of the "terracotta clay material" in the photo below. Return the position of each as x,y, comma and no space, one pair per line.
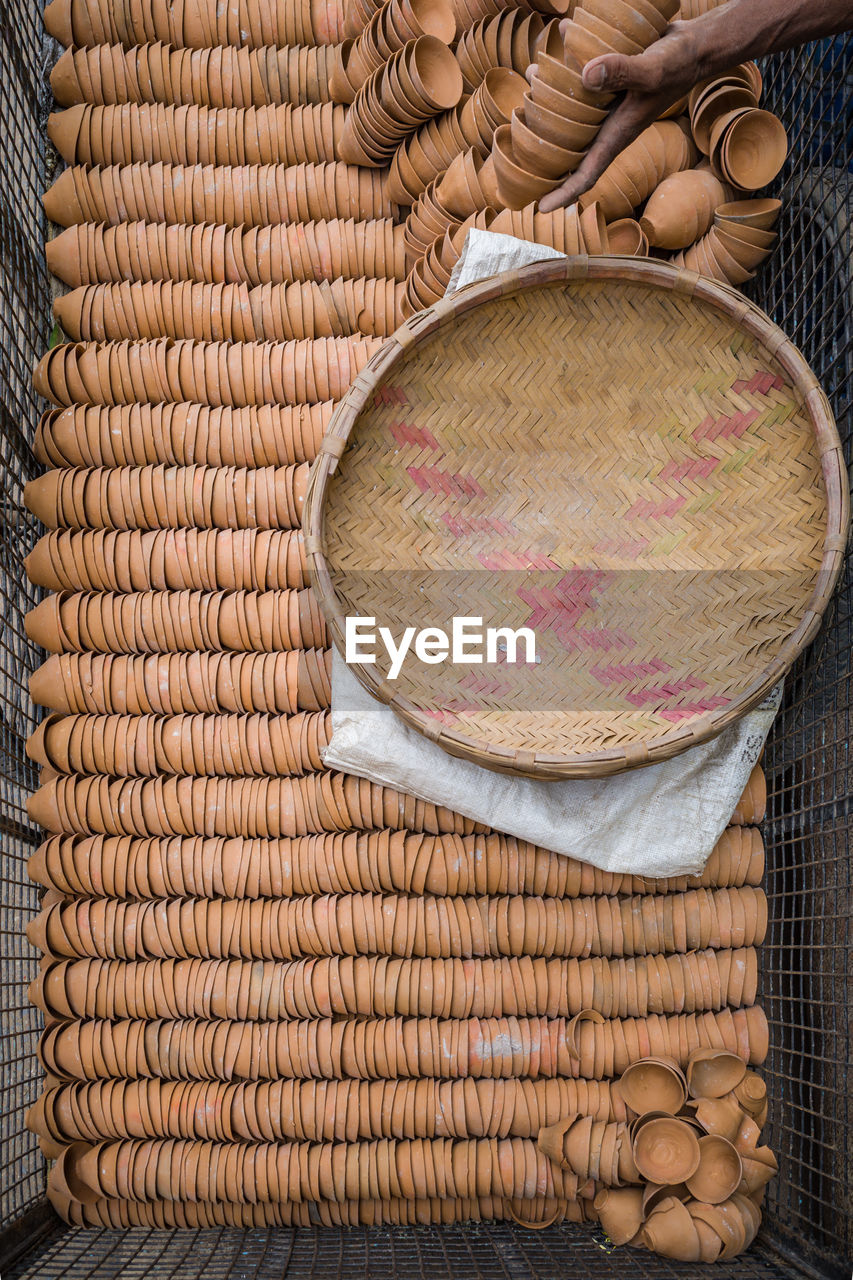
666,1150
620,1212
653,1084
670,1230
719,1173
713,1073
682,208
626,236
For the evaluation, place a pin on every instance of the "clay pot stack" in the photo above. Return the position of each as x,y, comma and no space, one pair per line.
181,434
308,371
357,862
427,154
740,238
136,133
469,12
273,993
512,39
227,76
230,312
367,986
279,254
419,81
195,24
745,145
559,119
389,30
236,196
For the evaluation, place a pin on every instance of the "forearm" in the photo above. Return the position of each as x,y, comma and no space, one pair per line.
744,29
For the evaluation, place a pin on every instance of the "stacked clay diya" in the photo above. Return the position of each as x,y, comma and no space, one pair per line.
226,76
169,1214
166,684
309,928
740,238
145,746
684,1174
236,196
364,862
181,434
746,146
231,312
565,230
133,133
421,80
91,253
194,23
469,12
311,1110
428,153
512,39
551,132
389,30
307,371
383,1048
363,986
257,808
168,560
154,622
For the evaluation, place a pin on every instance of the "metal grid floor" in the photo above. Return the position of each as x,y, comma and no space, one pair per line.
472,1252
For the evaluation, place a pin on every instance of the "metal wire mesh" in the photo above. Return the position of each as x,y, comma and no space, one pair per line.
497,1252
23,335
806,962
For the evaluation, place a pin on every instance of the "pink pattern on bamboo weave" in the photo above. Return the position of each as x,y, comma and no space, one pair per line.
388,393
725,427
505,560
453,484
687,469
656,693
762,381
648,509
464,526
617,673
406,433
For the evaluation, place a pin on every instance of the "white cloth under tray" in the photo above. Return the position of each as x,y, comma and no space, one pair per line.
662,820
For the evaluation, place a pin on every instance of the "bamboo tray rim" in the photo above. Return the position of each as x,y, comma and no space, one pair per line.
583,268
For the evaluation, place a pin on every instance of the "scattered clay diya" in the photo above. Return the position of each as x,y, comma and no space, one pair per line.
666,1150
712,1073
719,1173
653,1084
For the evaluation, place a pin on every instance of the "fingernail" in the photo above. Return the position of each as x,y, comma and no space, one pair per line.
596,77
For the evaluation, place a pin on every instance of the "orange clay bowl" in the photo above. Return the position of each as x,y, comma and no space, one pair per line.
537,154
517,185
569,80
554,450
553,100
557,128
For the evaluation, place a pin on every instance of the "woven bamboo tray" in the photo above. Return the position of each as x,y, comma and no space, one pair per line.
630,460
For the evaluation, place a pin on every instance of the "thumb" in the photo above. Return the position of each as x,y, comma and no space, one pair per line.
617,72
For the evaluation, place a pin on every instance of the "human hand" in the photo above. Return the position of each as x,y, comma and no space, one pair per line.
650,82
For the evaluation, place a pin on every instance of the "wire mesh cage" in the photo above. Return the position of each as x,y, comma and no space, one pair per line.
806,965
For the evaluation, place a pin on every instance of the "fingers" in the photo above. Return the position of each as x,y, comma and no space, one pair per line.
617,73
562,196
620,128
